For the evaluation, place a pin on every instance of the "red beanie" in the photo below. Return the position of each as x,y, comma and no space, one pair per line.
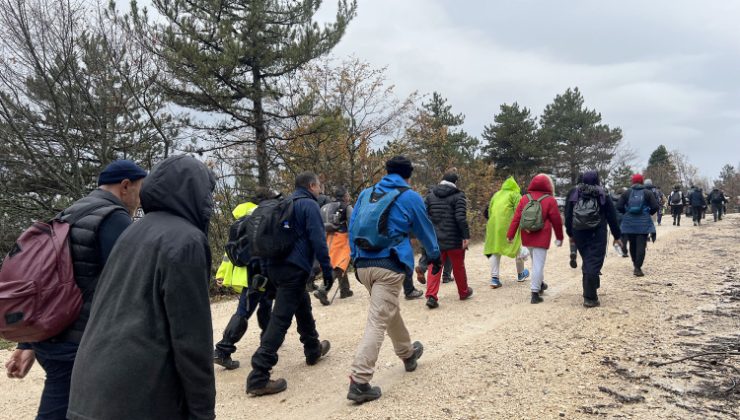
637,179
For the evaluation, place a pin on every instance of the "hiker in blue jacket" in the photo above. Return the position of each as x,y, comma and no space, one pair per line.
637,204
383,269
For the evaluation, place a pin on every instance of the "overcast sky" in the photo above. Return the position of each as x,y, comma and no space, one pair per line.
666,72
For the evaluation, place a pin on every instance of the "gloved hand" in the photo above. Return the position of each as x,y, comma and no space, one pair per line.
328,281
436,266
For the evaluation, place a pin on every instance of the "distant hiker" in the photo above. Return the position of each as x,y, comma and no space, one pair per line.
448,210
698,205
659,196
383,258
499,213
677,200
587,213
637,205
717,199
256,294
97,222
290,275
148,349
621,247
536,216
336,216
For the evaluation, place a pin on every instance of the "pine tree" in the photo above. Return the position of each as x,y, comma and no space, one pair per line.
661,169
576,137
229,58
513,144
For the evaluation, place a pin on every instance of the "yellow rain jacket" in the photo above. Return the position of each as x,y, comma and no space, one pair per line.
235,277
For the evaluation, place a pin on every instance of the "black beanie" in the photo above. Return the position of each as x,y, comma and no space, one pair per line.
400,165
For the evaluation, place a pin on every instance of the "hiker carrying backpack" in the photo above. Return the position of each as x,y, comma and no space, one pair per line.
369,231
676,198
587,211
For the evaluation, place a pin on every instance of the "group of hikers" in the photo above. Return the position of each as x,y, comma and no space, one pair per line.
144,328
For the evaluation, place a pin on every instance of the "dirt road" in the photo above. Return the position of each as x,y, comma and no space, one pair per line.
497,356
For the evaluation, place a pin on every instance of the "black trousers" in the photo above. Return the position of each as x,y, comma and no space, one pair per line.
676,213
249,303
591,245
717,211
697,211
291,299
637,245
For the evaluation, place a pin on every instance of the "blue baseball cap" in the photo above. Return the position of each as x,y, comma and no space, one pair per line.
118,170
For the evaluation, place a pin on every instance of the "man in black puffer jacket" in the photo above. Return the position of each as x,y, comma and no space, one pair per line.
448,209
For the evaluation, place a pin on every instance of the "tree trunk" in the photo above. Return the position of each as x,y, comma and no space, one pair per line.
260,131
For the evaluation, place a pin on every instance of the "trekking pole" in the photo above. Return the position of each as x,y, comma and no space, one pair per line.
335,295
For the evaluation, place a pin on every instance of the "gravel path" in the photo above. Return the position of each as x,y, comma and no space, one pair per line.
497,356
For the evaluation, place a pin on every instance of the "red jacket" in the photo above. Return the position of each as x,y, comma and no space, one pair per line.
540,185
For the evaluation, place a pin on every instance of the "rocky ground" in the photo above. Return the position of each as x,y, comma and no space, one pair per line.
497,356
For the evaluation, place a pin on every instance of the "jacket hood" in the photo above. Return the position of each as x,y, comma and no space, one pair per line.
541,183
392,181
243,209
183,186
511,185
444,190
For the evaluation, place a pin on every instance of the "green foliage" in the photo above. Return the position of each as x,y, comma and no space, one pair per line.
229,58
577,138
621,177
661,168
513,144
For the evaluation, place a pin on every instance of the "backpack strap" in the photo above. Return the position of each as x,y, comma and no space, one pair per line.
544,196
71,219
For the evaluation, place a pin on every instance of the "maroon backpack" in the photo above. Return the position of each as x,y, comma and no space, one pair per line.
39,297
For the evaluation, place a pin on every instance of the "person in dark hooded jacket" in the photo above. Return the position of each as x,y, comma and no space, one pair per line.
698,205
448,209
637,205
591,241
147,352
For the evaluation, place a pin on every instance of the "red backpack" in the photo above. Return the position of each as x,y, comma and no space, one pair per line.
39,297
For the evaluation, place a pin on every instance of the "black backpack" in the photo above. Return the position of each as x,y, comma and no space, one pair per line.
237,246
586,212
268,230
676,198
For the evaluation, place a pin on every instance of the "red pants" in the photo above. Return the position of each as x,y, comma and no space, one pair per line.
457,257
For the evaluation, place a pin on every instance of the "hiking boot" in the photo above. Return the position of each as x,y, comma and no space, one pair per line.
591,303
311,286
224,360
272,387
573,261
536,298
432,302
420,275
448,279
325,346
410,363
415,294
322,296
495,283
543,288
343,294
638,272
362,393
468,294
522,276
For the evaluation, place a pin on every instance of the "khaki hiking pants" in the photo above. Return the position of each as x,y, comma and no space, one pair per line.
384,314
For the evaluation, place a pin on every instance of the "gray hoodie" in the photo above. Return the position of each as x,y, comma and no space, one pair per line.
147,349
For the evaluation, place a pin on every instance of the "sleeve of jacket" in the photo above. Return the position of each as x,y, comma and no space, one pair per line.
317,236
461,215
622,203
652,202
514,226
185,297
422,226
611,218
223,267
554,215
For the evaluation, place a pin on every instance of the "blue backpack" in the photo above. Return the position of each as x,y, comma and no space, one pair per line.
369,229
636,202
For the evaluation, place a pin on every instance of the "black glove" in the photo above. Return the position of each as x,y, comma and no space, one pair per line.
328,281
436,266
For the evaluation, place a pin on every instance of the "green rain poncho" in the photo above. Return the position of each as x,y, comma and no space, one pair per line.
500,212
